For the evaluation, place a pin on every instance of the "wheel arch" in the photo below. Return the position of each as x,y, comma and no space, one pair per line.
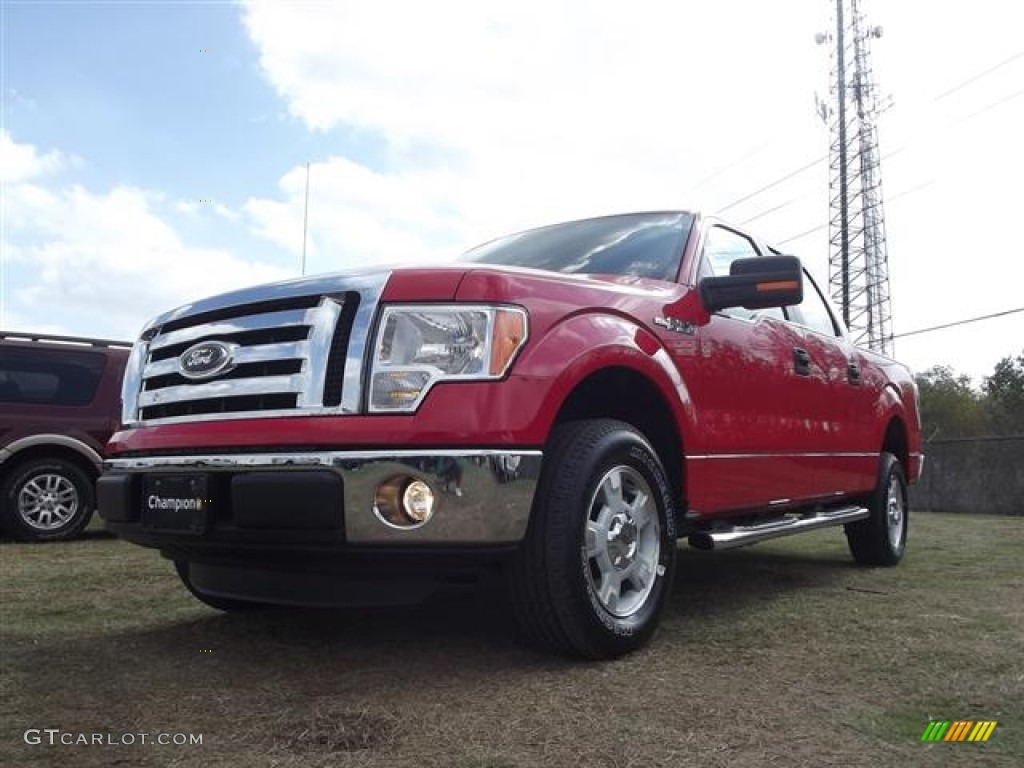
601,364
45,446
895,440
626,394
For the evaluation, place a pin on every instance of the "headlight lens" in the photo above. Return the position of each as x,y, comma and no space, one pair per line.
418,346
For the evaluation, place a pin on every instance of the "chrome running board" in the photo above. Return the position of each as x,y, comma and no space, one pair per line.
742,535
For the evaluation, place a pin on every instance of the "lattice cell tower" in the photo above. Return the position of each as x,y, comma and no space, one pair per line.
858,257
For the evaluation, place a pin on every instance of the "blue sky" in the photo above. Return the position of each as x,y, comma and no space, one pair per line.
433,126
130,89
130,84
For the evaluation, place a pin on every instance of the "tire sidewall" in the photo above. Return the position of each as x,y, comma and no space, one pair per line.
891,467
21,475
627,448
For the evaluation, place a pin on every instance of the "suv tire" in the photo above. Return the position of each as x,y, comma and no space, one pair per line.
46,499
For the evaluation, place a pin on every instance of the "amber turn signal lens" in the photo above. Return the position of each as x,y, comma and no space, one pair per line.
507,336
778,285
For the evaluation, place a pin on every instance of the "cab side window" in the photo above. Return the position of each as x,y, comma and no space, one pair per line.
813,312
721,248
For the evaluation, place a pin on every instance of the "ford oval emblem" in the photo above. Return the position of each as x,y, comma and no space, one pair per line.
205,360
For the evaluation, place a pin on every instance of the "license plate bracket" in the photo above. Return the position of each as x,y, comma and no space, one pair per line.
176,503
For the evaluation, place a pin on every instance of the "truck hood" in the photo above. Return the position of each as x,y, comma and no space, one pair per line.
443,282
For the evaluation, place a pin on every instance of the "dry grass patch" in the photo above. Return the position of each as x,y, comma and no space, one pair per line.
785,653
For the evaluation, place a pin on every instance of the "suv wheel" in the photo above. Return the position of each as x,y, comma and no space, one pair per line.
46,500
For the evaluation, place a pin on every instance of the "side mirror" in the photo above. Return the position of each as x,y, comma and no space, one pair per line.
768,281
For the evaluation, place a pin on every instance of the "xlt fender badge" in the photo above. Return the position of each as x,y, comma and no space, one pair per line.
678,326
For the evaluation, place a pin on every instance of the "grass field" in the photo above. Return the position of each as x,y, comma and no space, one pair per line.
781,654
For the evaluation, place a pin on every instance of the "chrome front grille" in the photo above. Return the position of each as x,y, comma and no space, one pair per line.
296,349
279,356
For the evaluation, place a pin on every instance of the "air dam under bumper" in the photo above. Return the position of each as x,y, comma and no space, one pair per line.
482,497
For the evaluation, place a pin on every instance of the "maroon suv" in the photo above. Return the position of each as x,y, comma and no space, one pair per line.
59,403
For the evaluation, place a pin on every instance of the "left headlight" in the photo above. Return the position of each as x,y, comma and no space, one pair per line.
418,346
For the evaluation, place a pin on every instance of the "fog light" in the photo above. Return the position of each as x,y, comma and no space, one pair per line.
404,502
418,501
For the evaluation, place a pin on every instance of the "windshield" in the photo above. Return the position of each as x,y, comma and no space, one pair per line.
642,245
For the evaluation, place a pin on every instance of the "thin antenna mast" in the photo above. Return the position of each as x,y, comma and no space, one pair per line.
305,222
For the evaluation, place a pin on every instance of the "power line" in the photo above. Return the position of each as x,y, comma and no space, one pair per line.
778,207
728,167
891,153
987,108
766,187
957,323
979,76
963,84
804,234
890,199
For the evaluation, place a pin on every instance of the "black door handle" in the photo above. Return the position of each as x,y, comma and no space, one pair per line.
853,372
801,361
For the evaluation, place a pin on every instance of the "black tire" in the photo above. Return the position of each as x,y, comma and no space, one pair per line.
226,604
553,580
873,541
46,499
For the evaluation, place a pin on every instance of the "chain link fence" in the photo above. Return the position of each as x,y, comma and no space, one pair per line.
979,474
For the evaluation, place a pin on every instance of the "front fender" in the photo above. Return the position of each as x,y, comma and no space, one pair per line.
586,343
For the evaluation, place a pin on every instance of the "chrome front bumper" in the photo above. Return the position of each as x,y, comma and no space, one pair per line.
483,496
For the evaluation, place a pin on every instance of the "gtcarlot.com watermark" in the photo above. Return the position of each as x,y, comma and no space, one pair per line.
55,736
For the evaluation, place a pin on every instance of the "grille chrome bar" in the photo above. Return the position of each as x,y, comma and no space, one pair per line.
259,353
323,321
265,385
263,322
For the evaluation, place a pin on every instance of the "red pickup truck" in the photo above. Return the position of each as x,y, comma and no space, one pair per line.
562,405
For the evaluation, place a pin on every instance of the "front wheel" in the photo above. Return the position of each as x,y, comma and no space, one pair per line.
881,539
594,573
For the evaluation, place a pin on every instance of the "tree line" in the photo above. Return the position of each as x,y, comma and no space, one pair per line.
951,406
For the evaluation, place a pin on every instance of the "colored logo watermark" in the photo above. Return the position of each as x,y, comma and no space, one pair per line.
958,730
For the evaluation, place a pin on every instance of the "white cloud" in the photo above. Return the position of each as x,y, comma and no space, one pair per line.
20,162
539,111
187,207
101,263
359,216
224,212
503,115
